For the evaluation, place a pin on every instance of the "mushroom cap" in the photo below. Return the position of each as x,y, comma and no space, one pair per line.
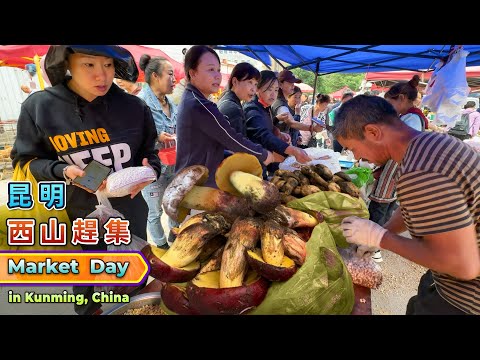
236,162
180,186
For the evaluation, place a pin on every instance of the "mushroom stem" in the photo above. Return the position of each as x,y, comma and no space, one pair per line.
188,245
214,200
262,195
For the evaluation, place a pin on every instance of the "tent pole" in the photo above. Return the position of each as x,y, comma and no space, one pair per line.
36,60
317,67
258,57
297,55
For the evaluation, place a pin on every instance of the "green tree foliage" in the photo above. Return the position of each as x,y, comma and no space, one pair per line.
327,84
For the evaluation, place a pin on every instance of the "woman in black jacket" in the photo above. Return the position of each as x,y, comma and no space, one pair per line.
260,128
242,86
203,133
85,117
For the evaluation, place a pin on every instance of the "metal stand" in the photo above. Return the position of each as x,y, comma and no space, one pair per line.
8,132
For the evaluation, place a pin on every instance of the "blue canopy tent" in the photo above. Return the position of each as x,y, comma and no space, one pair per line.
329,59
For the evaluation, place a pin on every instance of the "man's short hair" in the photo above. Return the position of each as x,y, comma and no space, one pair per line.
355,114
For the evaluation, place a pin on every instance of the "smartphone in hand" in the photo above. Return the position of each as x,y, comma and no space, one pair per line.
95,173
318,121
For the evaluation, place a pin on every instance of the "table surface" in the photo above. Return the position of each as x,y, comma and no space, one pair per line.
362,305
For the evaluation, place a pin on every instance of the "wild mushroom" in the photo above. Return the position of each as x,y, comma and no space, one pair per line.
241,174
185,192
236,162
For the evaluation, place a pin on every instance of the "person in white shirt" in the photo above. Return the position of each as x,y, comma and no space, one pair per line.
31,84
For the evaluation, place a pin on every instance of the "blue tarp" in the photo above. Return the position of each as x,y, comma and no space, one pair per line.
353,58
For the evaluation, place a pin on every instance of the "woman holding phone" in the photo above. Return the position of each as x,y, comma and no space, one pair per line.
85,117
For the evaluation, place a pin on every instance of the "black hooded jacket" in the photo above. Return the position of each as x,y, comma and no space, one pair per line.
57,127
260,127
231,107
203,133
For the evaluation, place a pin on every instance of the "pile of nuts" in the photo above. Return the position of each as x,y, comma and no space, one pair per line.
364,271
146,310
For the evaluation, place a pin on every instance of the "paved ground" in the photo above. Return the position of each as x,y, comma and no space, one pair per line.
400,281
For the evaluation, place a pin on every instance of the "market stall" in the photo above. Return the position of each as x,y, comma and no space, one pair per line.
362,306
258,247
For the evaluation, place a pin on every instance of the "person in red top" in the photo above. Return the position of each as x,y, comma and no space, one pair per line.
402,96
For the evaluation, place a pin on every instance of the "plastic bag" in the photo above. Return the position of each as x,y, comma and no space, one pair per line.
136,244
326,157
334,207
363,176
103,211
121,182
364,271
474,143
320,286
447,89
38,212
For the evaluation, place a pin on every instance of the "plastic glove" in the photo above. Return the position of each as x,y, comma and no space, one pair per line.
362,231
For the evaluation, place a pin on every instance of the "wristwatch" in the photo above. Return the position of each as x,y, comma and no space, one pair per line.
67,179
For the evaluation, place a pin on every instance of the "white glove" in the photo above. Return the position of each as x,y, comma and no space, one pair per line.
362,231
365,252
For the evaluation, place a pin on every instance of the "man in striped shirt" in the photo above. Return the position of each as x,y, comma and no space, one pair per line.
438,189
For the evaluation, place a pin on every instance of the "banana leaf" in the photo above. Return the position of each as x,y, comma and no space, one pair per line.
322,285
334,207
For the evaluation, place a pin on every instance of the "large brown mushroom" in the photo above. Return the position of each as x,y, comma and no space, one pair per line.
165,272
185,192
243,236
190,242
175,298
237,162
292,218
241,174
281,272
206,296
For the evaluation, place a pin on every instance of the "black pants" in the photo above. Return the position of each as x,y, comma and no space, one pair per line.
380,213
428,301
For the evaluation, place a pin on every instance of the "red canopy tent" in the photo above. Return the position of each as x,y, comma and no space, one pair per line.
138,50
376,87
225,78
339,93
390,77
305,88
20,55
